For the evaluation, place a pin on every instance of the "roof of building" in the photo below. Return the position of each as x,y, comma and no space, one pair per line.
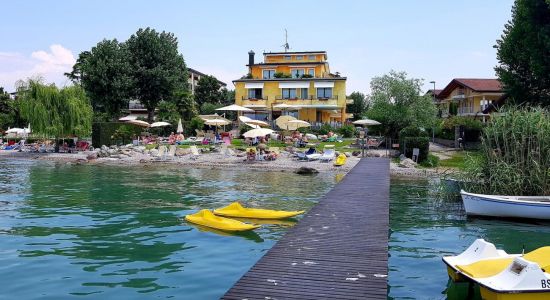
475,84
290,79
297,52
290,63
191,70
435,92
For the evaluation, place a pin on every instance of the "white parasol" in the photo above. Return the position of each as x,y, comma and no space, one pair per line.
258,132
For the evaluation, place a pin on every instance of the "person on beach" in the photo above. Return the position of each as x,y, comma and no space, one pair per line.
172,139
180,139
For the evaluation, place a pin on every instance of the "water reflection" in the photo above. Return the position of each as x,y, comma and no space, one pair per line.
119,232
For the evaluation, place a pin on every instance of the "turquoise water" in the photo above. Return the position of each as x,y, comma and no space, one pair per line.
117,232
425,227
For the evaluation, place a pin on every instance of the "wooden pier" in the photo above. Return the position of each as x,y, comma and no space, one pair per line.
339,250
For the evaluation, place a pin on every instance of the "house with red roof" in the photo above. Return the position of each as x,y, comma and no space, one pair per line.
469,97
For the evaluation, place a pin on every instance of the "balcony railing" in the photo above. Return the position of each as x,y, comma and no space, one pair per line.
255,98
465,110
334,97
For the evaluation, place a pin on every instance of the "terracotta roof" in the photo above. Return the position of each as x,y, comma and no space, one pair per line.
475,84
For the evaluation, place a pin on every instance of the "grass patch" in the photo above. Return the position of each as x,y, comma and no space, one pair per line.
456,161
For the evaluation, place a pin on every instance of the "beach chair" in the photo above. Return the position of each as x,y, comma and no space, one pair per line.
172,152
199,140
328,155
194,152
162,151
303,155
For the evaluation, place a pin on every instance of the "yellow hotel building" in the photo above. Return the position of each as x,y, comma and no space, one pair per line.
301,79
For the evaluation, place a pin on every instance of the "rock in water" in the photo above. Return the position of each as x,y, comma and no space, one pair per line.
306,171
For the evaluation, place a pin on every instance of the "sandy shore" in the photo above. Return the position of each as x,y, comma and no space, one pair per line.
285,163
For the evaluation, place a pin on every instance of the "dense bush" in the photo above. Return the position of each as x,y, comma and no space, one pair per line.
515,155
422,143
106,133
412,131
282,75
469,123
431,161
347,131
196,123
325,129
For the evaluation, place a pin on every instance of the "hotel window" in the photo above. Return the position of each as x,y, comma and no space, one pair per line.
311,57
296,73
254,93
289,93
287,57
311,72
324,93
299,57
269,74
303,93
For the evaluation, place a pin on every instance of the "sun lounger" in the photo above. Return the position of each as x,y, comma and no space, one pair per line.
162,151
194,152
199,140
304,155
328,155
172,151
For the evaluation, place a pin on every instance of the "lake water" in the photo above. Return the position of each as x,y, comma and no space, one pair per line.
117,232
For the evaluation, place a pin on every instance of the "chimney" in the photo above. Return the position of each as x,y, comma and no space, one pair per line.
251,57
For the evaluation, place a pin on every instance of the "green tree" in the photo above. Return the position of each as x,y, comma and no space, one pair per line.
104,73
208,91
185,104
157,67
359,105
228,96
209,108
55,112
397,103
168,112
523,53
7,110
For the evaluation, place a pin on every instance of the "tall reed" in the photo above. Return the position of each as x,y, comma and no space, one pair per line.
515,154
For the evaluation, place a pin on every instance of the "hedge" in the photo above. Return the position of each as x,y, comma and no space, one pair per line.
422,143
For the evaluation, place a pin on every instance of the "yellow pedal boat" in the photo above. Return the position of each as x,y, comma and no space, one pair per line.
340,160
208,219
236,210
482,260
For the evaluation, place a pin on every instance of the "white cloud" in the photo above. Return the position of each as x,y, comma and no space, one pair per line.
49,65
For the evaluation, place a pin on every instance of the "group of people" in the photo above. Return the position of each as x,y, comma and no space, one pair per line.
176,139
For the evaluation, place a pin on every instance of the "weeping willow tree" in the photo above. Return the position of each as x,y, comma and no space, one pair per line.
55,112
515,155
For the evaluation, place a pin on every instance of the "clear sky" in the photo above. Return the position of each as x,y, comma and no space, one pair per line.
430,39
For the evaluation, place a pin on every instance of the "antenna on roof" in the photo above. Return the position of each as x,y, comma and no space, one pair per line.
286,46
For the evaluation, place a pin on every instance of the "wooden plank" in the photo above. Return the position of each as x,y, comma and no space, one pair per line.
338,250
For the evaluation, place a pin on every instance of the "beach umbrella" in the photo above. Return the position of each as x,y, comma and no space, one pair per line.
180,127
252,125
217,122
128,118
139,123
295,124
258,132
235,107
160,124
244,119
282,120
258,122
284,106
366,122
15,130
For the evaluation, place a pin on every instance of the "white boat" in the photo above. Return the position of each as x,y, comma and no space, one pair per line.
533,207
